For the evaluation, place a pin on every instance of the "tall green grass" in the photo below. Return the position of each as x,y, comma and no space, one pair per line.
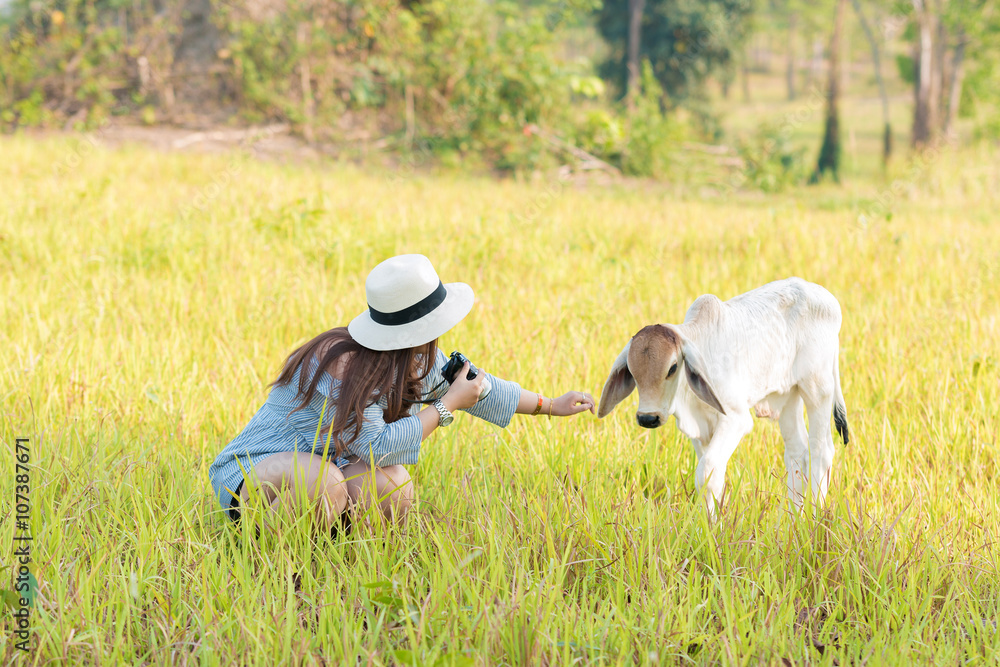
145,309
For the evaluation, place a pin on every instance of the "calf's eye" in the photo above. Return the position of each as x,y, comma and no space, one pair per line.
673,369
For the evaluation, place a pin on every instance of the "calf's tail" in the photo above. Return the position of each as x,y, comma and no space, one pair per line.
839,406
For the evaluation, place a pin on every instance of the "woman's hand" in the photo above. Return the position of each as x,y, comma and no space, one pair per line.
464,393
572,403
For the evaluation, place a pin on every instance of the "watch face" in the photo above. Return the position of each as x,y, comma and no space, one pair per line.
444,417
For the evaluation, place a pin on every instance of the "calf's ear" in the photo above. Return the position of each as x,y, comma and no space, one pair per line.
619,384
697,376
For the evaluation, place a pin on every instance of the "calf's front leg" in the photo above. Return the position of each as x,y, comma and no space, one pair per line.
710,475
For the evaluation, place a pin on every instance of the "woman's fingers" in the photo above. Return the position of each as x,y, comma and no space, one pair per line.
480,375
576,402
478,381
466,392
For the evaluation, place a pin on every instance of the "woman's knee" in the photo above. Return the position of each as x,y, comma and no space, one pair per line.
389,487
294,475
396,490
334,490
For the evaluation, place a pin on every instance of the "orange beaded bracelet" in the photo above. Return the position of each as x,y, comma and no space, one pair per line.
538,408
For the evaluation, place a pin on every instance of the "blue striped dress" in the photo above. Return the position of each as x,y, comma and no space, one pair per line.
275,429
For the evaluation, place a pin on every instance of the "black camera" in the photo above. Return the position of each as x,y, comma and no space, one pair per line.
450,371
454,365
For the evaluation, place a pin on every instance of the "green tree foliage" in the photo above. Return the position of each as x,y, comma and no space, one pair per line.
484,72
654,135
643,143
684,41
453,78
977,22
771,162
79,59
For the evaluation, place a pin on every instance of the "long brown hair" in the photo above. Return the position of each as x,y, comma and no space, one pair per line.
367,376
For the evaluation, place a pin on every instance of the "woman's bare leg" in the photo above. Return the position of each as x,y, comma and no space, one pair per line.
281,478
393,489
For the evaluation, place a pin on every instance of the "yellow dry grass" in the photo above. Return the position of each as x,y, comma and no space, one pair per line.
150,297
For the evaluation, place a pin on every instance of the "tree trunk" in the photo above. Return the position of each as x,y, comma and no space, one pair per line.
955,86
829,152
793,20
410,116
305,81
845,63
876,61
199,40
940,46
635,9
923,57
817,61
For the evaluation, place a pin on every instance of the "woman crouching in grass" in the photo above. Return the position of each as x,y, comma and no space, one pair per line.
341,420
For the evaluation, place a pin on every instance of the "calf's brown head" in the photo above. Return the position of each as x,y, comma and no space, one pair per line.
654,361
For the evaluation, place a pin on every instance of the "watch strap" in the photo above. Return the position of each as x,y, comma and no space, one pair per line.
444,415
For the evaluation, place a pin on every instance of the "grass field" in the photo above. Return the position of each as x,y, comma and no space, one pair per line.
150,297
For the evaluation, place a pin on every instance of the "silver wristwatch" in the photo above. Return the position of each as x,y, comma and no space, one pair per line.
445,417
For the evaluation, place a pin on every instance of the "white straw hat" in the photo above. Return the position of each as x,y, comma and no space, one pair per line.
408,305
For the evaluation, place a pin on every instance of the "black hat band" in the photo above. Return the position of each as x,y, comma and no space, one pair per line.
411,313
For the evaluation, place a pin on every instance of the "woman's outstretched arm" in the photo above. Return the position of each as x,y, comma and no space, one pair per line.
570,403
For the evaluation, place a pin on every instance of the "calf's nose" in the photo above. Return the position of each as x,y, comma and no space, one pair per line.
647,420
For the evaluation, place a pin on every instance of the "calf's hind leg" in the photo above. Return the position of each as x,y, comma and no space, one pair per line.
793,432
821,449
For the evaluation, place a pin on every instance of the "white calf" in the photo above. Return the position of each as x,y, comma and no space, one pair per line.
773,349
